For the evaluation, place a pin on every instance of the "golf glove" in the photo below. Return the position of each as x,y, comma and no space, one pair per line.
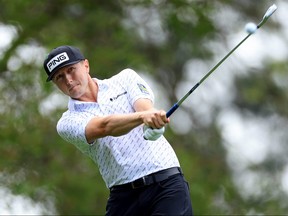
152,134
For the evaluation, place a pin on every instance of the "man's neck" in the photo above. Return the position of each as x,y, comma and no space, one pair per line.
91,93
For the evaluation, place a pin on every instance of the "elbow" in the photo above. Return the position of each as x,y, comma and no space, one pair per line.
92,135
94,130
101,133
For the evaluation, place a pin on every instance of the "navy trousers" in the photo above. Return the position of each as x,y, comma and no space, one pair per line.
168,197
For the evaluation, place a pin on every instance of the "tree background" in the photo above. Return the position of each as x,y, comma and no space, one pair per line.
230,135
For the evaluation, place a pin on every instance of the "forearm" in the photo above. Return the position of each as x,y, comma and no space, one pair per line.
113,125
120,124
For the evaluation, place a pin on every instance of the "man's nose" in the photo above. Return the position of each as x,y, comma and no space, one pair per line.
68,78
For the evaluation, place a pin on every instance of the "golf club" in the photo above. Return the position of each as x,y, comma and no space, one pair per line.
250,28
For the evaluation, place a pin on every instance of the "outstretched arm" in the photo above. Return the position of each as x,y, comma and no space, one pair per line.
120,124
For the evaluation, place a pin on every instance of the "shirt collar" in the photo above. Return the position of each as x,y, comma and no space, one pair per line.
75,104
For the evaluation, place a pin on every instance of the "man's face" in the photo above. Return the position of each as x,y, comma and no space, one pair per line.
72,80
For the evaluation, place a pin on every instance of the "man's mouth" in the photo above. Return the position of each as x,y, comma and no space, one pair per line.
71,88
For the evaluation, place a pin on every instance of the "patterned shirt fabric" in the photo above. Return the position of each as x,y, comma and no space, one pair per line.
124,158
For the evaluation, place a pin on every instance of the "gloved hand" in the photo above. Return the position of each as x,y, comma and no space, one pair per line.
152,134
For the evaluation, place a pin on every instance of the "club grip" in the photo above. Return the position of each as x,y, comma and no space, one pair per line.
172,110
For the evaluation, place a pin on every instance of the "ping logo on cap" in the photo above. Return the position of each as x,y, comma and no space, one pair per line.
57,60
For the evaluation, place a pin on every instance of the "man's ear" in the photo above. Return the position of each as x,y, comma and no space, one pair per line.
86,65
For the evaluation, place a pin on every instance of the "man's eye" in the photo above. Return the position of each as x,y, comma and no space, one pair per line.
71,69
58,77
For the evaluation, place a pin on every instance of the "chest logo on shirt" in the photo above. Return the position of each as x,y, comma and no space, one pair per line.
114,98
142,88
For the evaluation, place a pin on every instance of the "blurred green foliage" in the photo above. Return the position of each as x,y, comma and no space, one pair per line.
43,165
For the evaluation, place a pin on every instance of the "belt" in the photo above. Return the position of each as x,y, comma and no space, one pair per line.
149,179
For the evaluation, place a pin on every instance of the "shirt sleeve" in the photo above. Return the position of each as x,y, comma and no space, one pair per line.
136,86
71,127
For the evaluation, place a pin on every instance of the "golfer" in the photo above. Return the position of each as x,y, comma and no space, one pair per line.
113,121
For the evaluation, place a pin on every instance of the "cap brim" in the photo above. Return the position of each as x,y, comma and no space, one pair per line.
55,71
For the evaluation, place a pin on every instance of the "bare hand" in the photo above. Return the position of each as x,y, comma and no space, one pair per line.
155,118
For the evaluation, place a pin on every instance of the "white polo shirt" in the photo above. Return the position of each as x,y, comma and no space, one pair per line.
120,159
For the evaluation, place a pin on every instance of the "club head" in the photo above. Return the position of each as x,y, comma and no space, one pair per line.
270,11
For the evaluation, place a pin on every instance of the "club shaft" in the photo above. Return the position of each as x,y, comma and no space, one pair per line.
269,12
176,105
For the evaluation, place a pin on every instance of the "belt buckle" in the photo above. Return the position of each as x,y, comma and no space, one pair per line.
141,182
